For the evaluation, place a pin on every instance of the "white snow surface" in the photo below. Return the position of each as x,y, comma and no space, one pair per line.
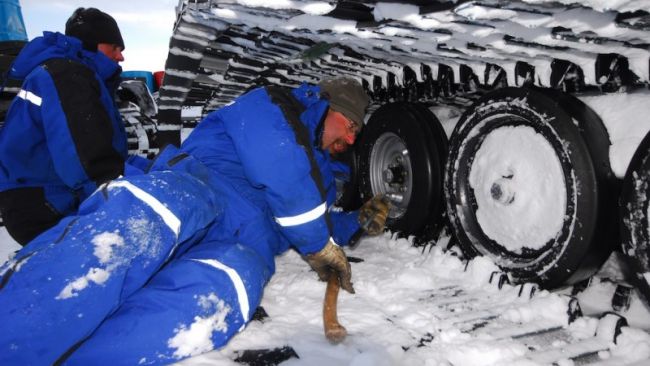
104,243
406,299
195,339
627,120
8,245
412,307
519,188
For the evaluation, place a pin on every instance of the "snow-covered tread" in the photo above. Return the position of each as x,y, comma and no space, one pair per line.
574,350
520,330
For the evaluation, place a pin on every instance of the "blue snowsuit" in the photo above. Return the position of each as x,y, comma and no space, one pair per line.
172,263
62,136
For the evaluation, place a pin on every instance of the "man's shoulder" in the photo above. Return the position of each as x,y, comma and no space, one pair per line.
66,67
63,63
53,68
64,73
252,100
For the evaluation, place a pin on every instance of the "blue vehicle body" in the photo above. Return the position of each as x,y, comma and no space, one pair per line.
145,76
12,26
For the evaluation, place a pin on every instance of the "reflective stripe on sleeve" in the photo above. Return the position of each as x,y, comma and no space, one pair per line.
242,295
304,217
168,217
29,96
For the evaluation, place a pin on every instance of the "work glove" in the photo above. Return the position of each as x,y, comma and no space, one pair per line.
331,260
373,214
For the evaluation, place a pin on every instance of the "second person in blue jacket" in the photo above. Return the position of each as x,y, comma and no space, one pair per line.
63,135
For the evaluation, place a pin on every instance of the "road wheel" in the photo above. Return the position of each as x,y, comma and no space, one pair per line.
634,217
528,183
8,52
402,154
347,185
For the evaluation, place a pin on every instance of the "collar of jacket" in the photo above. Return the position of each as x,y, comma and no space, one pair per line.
316,110
56,45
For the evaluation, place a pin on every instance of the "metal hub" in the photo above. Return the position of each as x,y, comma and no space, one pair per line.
502,192
391,172
394,175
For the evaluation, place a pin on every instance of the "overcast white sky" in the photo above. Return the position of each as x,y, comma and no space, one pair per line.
146,25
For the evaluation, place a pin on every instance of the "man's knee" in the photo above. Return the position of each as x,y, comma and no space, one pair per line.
193,305
26,215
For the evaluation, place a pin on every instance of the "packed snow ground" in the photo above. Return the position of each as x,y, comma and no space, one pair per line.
406,313
412,308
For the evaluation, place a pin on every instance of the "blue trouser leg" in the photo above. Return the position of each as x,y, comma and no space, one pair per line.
65,283
193,305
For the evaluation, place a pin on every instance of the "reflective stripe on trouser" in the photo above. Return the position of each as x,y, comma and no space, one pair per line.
70,278
190,307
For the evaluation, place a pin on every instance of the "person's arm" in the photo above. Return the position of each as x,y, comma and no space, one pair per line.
370,219
78,127
345,226
136,164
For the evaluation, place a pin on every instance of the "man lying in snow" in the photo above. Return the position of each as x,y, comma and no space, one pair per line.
172,263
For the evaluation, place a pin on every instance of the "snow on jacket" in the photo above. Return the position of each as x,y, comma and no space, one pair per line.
62,132
267,144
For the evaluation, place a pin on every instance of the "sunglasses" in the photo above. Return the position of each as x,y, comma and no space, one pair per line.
351,126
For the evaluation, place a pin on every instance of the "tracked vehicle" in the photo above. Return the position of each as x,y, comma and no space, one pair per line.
482,123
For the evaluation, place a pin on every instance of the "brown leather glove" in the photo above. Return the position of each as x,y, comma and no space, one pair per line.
373,214
331,260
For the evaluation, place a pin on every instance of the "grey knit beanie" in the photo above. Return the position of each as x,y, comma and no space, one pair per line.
346,95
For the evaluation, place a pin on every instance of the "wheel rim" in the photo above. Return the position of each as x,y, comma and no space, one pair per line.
634,217
518,187
412,133
391,172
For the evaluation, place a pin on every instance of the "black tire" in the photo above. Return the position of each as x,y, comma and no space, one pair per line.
402,154
347,190
633,206
136,91
11,47
8,52
581,236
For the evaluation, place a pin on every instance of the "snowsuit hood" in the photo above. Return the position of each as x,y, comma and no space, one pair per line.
56,45
315,111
